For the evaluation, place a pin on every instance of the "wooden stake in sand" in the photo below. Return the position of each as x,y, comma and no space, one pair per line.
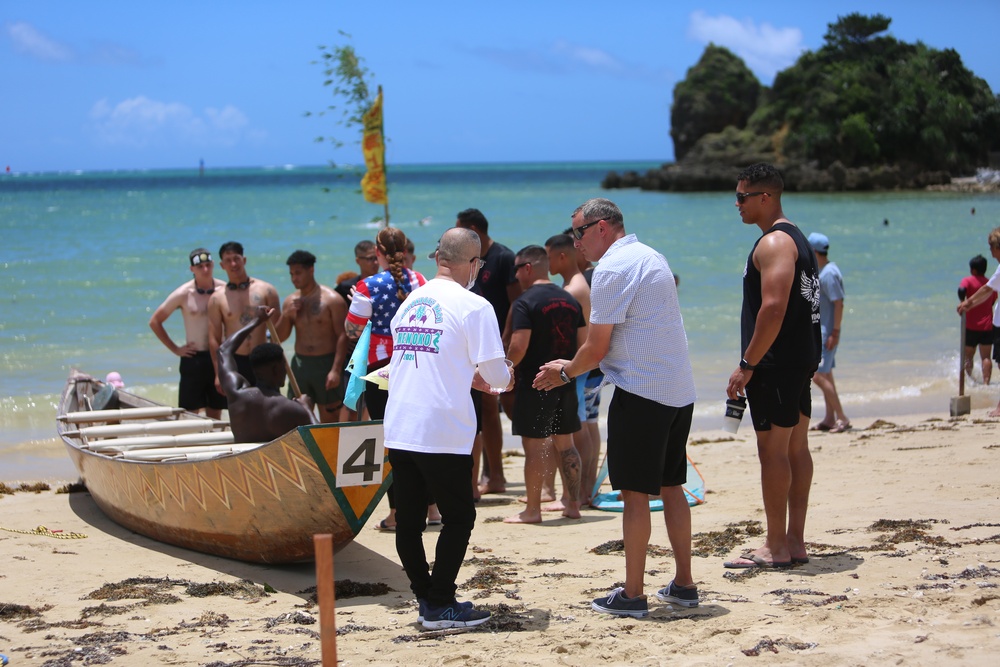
961,404
326,596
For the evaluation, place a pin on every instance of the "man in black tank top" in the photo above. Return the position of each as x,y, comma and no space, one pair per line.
781,348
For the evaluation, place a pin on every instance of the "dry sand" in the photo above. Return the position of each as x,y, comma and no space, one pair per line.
904,533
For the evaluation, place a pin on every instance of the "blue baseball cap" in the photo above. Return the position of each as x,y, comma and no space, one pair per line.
819,242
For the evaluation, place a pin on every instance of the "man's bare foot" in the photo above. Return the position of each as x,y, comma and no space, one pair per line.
994,413
543,499
572,512
493,486
524,517
555,506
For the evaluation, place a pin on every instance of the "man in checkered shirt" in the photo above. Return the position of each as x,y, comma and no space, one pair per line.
637,337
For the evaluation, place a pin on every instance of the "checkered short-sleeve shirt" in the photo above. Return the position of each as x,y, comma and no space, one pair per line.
634,290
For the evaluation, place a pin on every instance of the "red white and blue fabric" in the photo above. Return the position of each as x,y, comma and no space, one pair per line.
377,300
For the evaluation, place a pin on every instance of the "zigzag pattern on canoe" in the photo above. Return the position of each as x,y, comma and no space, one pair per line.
263,476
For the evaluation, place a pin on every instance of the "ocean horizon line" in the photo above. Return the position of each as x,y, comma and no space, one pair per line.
340,167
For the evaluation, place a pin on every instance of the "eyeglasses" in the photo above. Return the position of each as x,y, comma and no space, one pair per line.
370,258
480,263
518,267
579,231
743,196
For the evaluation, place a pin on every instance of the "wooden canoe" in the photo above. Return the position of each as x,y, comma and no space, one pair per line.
257,503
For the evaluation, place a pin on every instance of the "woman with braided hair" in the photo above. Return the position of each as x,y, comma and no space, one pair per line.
377,299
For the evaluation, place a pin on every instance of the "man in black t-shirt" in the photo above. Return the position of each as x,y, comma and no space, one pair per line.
497,284
547,323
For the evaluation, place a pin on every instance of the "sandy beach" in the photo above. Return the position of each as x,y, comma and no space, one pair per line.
904,544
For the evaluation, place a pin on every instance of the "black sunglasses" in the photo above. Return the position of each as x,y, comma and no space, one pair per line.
518,267
743,196
578,231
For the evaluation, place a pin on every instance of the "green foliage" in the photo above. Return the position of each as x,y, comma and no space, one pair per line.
866,98
719,91
855,29
344,71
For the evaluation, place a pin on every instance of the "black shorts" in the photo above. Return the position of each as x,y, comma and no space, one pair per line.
779,397
975,338
197,388
647,443
477,405
539,414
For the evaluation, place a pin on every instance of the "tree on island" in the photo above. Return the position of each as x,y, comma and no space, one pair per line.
863,111
719,91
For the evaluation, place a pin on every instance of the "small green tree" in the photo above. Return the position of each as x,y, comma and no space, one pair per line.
345,71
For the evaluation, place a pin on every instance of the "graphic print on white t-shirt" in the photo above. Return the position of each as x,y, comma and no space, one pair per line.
415,332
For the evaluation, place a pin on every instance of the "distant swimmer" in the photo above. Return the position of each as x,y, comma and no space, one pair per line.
423,222
885,222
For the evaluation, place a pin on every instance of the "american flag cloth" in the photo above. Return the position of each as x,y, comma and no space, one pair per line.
377,300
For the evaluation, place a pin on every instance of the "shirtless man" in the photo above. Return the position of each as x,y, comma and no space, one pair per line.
317,314
260,413
197,389
564,263
232,308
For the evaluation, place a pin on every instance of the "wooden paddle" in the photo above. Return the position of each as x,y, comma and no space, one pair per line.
288,367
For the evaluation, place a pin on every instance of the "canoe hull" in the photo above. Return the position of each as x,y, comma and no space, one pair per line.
261,506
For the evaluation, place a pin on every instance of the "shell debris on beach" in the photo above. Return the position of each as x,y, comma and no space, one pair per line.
904,546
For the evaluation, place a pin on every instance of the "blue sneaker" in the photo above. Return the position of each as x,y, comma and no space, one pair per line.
422,607
616,603
454,615
674,594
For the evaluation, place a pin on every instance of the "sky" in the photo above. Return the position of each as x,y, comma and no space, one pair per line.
137,85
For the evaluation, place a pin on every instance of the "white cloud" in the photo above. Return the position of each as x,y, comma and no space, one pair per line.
563,57
28,40
765,48
139,122
32,42
588,56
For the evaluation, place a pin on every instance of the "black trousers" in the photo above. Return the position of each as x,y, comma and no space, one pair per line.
447,478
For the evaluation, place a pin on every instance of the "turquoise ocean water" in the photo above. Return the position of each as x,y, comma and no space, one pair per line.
86,257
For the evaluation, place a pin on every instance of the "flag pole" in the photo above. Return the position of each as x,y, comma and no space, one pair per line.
384,165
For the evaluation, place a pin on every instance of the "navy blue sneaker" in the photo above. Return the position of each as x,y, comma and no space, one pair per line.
455,615
616,603
422,607
674,594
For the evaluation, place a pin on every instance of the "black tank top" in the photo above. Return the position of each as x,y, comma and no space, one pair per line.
798,344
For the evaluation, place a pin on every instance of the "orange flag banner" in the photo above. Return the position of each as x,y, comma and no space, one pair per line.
373,146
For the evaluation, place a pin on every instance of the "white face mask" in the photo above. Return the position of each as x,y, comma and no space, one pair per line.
472,282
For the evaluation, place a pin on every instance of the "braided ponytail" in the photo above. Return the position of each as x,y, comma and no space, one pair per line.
392,243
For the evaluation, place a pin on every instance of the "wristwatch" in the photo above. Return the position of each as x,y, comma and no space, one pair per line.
745,365
562,375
